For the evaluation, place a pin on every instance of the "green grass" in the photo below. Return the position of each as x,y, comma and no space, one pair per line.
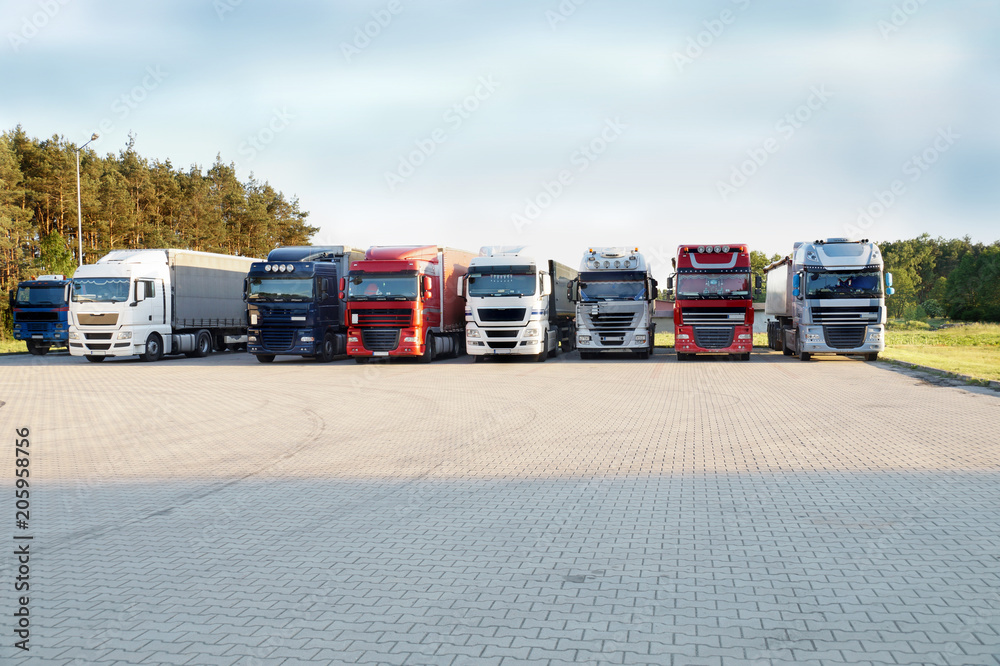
966,349
11,346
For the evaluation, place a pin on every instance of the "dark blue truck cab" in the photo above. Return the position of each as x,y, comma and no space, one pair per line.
294,304
40,309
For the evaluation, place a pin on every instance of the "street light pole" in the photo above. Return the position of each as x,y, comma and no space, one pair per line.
79,210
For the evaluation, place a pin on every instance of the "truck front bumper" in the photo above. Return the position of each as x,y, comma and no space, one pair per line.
684,342
813,340
301,342
497,341
587,340
409,343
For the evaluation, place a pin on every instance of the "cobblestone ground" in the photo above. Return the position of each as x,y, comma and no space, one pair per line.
218,511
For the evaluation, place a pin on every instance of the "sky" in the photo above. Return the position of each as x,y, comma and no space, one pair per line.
558,125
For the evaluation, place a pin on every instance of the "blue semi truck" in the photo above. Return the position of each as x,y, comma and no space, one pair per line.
295,305
40,309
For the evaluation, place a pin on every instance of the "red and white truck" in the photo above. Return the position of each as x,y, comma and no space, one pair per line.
404,302
713,306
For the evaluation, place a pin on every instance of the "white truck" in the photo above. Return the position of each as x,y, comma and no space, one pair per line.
615,294
515,305
827,297
155,302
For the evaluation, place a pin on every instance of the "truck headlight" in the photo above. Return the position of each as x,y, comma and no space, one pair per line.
472,333
683,336
531,333
252,338
307,338
640,339
583,338
745,336
73,335
352,339
410,338
124,335
874,336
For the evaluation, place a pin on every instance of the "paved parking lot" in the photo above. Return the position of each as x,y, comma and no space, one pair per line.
219,511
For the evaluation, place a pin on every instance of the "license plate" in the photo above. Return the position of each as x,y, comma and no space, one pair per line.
501,351
380,353
98,353
37,336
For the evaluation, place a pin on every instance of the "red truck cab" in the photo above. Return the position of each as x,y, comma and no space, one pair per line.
713,306
403,301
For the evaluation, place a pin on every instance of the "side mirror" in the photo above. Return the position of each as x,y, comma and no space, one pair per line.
889,291
428,284
10,298
758,282
65,294
246,288
670,283
140,293
343,284
461,286
546,285
573,291
888,279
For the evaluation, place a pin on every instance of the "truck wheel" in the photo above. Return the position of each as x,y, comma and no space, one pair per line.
428,354
202,345
361,360
642,355
682,357
804,356
95,359
328,350
154,348
478,359
264,358
36,350
871,357
746,356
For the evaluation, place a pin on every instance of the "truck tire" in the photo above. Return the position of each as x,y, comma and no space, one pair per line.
361,360
95,359
804,356
36,350
479,358
642,355
746,357
202,345
328,350
428,354
871,357
264,358
781,342
154,348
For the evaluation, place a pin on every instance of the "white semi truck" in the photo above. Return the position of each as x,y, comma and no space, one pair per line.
515,305
827,297
615,294
155,302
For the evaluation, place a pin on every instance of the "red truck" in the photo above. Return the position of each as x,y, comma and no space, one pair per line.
403,301
713,306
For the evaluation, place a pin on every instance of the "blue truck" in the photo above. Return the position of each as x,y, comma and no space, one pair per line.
295,303
40,309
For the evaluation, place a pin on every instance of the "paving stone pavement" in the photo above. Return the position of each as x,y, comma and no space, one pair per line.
217,511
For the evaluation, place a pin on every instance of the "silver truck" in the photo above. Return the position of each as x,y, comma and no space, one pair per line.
827,297
614,295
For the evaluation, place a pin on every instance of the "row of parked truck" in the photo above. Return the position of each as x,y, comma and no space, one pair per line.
429,301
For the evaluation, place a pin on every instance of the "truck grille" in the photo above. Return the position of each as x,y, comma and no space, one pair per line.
501,314
36,316
380,339
496,344
501,334
276,339
109,319
398,317
845,315
616,321
98,336
93,346
844,337
713,337
34,327
735,316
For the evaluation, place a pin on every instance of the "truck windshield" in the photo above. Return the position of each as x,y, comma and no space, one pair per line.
844,284
694,286
612,291
280,289
501,284
41,296
381,287
100,290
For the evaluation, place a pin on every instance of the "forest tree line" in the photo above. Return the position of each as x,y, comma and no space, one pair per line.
127,202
